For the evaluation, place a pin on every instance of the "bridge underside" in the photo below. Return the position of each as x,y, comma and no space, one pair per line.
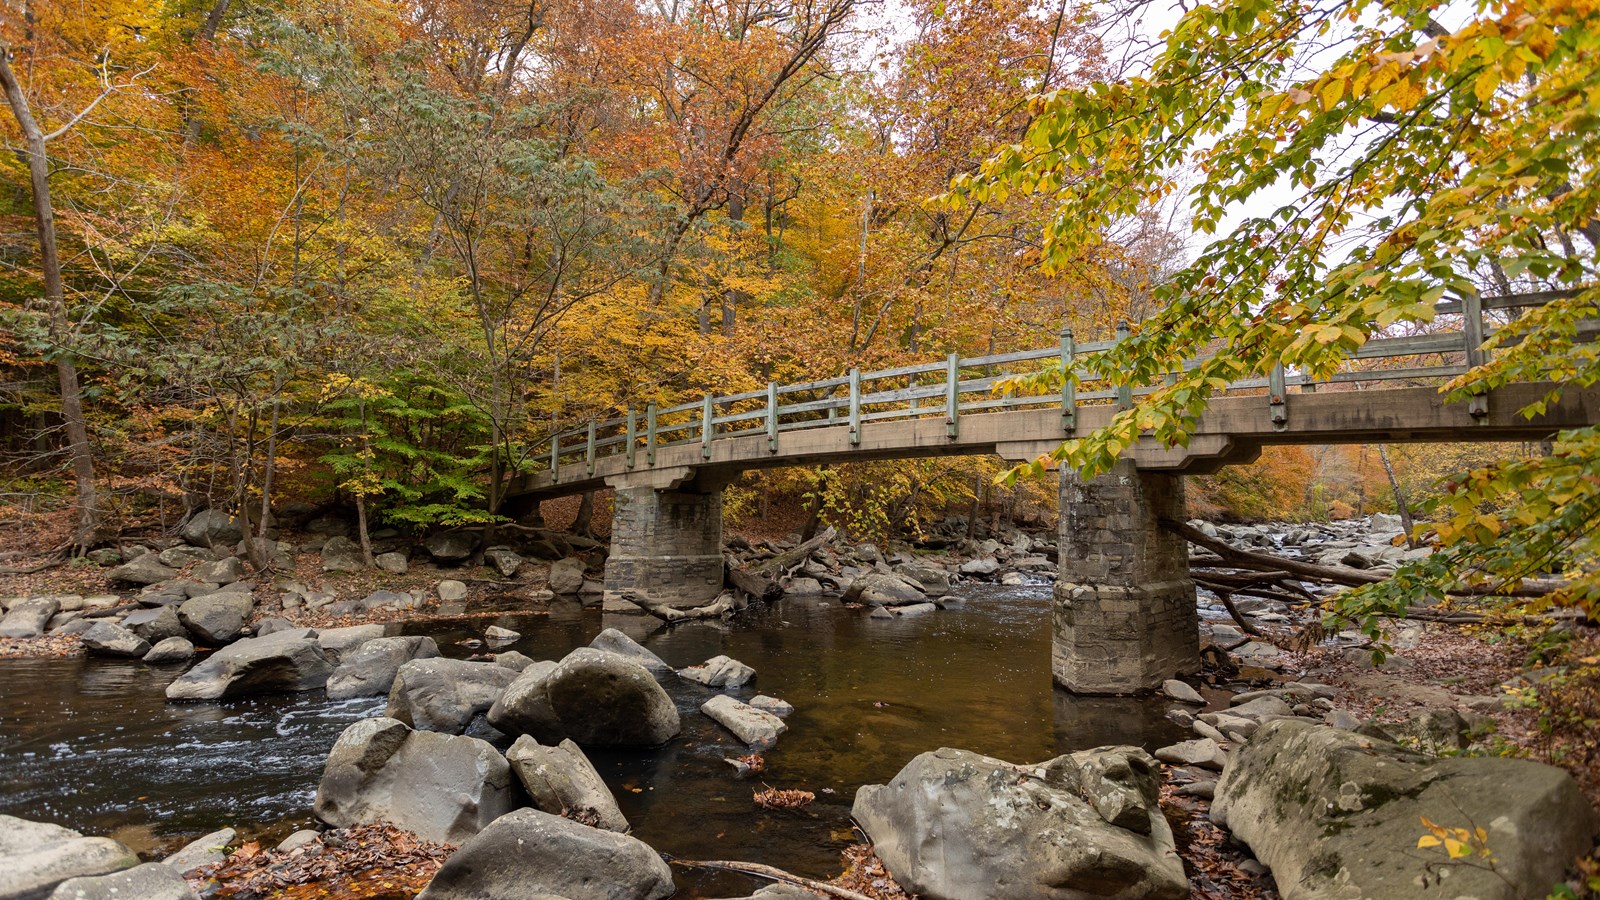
1124,616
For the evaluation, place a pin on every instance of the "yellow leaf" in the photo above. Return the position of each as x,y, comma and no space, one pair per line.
1484,88
1427,840
1456,849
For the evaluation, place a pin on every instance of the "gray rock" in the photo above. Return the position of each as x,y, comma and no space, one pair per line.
954,825
276,554
561,781
800,587
143,570
105,556
505,561
211,526
369,670
979,567
718,672
27,618
151,881
1262,708
386,599
170,650
182,555
223,571
446,694
755,727
772,705
1199,752
205,851
1335,814
284,662
273,625
297,840
36,856
216,618
914,609
591,696
340,554
155,625
451,590
111,639
529,854
516,662
1181,692
451,546
613,641
443,787
878,589
393,563
336,642
933,581
494,634
566,576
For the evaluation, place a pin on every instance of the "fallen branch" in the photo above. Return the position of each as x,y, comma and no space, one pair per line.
725,603
771,874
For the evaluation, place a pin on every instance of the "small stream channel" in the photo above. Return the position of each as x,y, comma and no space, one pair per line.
92,743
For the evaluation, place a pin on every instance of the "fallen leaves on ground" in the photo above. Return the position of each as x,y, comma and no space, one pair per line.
370,862
1210,858
864,873
772,798
54,645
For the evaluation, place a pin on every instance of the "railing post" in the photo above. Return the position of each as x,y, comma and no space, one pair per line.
1124,391
708,428
555,457
633,434
588,452
952,396
1472,326
855,406
1069,385
650,435
772,417
914,404
1277,397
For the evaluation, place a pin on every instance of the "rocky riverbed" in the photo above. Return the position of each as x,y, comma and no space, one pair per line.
470,758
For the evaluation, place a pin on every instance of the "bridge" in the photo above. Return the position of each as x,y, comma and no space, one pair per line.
1124,617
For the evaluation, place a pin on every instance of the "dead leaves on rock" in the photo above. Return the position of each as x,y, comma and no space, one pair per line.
367,862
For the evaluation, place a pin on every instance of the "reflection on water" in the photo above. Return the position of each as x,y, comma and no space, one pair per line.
93,744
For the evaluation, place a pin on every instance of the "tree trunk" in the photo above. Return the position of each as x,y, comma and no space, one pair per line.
584,524
1400,502
56,302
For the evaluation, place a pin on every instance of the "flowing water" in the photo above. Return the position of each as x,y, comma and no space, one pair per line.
93,744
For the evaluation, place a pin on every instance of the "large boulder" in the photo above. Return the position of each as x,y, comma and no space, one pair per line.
211,526
110,639
445,694
155,625
369,670
613,641
566,576
28,618
443,787
1337,814
758,728
224,571
170,650
531,854
954,825
336,642
451,546
596,698
505,561
151,881
36,856
283,662
146,569
340,554
560,780
878,589
216,618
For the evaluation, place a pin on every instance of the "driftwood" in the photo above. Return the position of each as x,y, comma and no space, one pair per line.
762,580
726,603
772,874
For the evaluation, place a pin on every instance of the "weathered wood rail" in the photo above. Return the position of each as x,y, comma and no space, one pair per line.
950,407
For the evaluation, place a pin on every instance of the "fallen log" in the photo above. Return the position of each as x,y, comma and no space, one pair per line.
771,874
726,603
762,581
757,586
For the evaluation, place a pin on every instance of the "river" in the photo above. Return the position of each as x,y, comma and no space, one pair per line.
93,744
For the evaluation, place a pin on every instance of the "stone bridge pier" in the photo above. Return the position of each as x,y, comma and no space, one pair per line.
1124,616
666,536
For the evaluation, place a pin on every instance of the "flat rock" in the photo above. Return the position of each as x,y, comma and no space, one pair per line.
335,642
146,569
288,661
531,854
719,672
224,571
170,650
771,704
205,851
155,625
561,781
494,634
1199,752
1181,691
758,728
28,618
151,881
443,787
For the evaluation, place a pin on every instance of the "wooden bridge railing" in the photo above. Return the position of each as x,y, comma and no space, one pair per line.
956,387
